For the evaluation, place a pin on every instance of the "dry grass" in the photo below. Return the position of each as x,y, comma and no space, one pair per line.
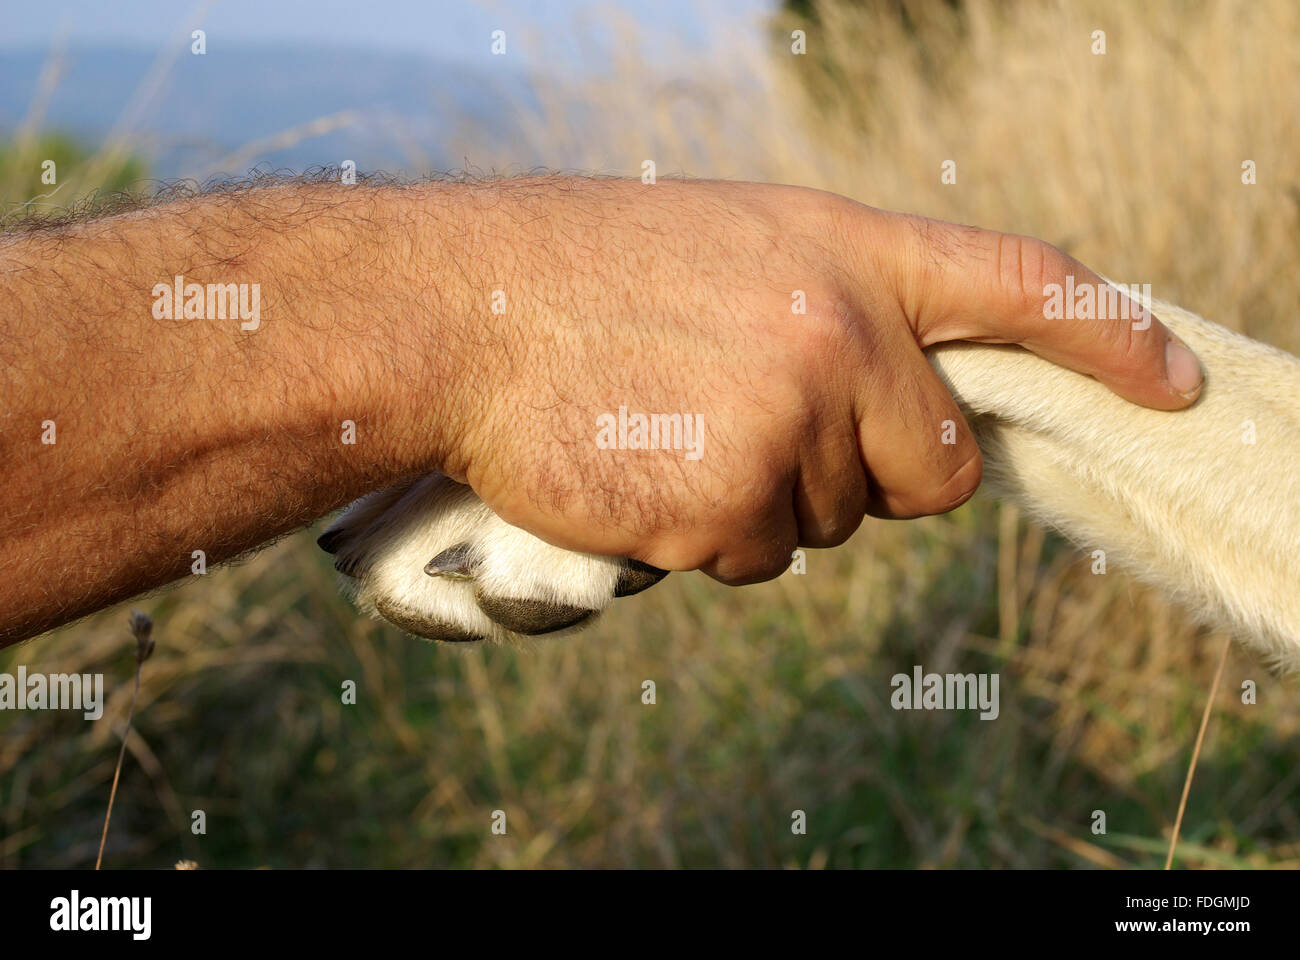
775,698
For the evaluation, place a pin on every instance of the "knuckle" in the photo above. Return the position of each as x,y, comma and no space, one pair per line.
838,219
950,492
1026,267
755,564
828,337
762,552
1124,341
835,528
831,533
961,484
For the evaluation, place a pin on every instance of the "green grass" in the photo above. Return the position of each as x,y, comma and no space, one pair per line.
770,699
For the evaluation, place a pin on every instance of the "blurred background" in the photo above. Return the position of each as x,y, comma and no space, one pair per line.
771,698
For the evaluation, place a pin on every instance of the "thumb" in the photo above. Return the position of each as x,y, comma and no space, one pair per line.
963,283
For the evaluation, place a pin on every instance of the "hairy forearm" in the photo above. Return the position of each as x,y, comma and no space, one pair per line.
132,440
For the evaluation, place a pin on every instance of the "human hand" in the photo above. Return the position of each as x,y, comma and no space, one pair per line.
679,299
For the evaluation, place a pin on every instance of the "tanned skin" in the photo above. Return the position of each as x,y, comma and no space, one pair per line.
479,329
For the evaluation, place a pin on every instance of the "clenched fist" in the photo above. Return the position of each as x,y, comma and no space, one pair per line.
770,339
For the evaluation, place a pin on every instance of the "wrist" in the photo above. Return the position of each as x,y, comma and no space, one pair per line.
430,346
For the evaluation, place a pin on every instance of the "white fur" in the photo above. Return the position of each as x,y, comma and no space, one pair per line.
1178,498
394,537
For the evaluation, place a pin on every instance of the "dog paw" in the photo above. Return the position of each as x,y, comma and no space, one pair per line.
430,557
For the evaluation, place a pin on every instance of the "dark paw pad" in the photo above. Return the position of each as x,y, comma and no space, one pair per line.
423,626
531,617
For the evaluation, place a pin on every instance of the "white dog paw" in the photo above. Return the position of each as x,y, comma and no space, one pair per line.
429,556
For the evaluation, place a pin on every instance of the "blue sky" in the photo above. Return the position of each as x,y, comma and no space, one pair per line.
449,29
409,73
